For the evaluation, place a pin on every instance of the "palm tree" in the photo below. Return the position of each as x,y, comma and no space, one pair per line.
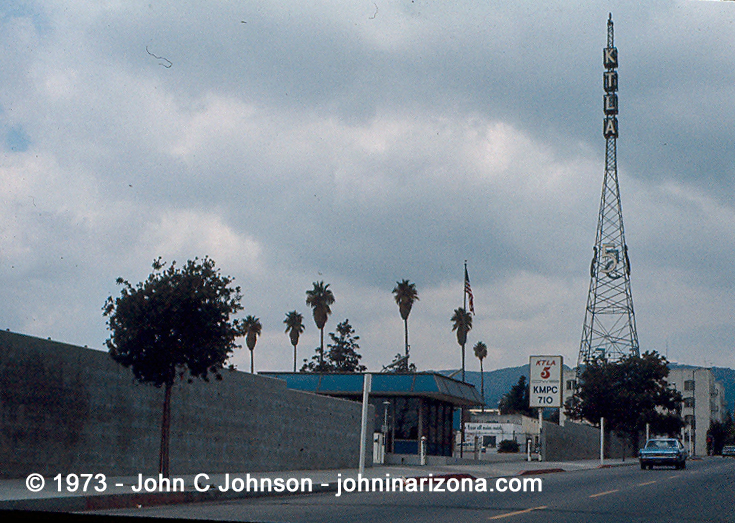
319,299
251,327
462,323
481,353
405,295
294,327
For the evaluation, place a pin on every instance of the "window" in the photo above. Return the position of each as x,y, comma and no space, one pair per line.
689,385
689,403
571,384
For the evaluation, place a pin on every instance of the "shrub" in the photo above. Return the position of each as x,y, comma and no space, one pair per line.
508,445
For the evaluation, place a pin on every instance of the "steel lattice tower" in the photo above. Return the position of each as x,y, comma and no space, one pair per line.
609,330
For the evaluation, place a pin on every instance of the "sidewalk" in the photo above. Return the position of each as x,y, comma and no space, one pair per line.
118,491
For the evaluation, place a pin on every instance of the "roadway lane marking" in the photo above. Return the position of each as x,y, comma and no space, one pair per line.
508,514
646,483
604,493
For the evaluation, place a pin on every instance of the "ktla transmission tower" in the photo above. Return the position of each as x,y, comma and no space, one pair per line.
609,330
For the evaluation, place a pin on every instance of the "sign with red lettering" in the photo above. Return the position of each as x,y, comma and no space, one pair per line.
545,381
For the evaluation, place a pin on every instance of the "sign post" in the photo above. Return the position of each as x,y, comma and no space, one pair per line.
367,381
602,441
540,432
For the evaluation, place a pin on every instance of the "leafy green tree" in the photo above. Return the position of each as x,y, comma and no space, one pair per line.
481,353
320,298
294,327
462,323
177,321
721,433
252,328
516,400
405,295
317,363
343,349
342,355
629,394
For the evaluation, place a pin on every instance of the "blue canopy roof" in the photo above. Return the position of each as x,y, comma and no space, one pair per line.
420,384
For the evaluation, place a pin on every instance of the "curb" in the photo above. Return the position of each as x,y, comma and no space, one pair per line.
612,465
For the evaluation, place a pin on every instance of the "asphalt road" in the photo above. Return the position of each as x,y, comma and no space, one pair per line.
704,492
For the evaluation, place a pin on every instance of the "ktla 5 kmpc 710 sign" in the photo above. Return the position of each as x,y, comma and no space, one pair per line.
546,381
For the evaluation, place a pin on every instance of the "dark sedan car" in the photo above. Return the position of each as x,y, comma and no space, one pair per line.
663,451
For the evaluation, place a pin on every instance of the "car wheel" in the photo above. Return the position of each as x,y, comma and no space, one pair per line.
643,466
683,465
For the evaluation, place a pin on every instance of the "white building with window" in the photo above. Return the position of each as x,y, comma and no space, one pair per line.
704,402
569,387
491,427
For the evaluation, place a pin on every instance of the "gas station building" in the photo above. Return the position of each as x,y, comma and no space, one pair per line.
407,405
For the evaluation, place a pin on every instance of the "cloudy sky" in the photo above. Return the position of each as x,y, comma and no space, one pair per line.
364,142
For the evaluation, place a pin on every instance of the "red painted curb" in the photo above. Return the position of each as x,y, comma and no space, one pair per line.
540,471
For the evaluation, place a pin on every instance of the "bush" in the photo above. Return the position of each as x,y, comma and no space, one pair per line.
508,445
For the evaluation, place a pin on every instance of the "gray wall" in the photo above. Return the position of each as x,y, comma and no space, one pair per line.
71,409
579,441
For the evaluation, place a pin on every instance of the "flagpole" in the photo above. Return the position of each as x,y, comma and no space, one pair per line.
464,287
464,307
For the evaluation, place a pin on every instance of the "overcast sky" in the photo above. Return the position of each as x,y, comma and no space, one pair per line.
364,142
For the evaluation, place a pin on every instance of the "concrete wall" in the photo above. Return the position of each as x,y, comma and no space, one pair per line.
69,409
579,441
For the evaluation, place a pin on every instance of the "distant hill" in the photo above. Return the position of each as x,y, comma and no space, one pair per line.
499,381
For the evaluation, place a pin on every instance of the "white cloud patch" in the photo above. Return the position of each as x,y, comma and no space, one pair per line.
180,234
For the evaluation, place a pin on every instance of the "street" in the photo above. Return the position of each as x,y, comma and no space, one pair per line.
704,492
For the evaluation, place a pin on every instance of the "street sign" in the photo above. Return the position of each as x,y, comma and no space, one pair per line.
545,381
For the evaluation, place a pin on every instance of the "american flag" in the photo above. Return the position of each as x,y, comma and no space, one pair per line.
468,290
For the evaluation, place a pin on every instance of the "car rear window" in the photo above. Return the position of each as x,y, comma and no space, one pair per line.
661,444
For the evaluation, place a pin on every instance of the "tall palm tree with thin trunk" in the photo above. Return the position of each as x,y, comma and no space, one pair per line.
294,327
252,328
481,353
462,323
319,299
405,294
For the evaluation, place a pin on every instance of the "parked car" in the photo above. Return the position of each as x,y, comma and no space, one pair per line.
663,451
728,450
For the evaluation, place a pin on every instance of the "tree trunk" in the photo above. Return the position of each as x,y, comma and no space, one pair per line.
482,386
294,358
321,349
165,426
405,322
463,377
252,367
